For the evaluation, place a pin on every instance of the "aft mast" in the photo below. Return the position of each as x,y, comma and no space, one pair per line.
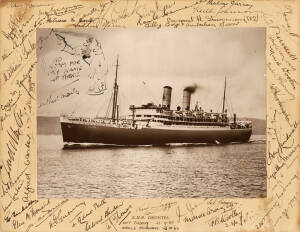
223,108
115,94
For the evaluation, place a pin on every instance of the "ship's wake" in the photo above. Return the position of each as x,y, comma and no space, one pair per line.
257,141
115,146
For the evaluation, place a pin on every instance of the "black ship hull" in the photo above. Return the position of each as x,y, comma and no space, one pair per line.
83,133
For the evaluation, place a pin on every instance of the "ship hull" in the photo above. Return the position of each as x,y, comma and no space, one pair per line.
82,133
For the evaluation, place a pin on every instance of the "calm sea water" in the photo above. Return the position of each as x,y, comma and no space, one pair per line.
235,170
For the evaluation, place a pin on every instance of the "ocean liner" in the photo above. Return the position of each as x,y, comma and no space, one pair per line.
152,124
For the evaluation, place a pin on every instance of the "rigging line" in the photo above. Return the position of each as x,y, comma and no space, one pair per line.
101,106
219,106
230,113
218,103
230,101
97,97
228,110
81,99
121,106
215,101
90,107
109,106
229,107
90,97
224,95
123,97
99,109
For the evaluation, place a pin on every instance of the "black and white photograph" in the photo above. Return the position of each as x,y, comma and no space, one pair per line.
151,113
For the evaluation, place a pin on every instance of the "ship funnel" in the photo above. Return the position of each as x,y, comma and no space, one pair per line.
186,101
166,99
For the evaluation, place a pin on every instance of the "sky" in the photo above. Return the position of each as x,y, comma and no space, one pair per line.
150,59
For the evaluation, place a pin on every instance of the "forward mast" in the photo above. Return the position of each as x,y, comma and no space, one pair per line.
115,108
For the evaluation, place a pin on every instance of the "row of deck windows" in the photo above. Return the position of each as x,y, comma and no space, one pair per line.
202,123
191,123
200,119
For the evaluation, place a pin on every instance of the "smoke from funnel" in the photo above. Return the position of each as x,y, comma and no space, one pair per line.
187,92
192,88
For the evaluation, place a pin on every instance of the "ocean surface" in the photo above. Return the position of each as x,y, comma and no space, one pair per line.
185,171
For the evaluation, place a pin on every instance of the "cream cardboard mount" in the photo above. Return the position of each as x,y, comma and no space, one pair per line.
21,209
